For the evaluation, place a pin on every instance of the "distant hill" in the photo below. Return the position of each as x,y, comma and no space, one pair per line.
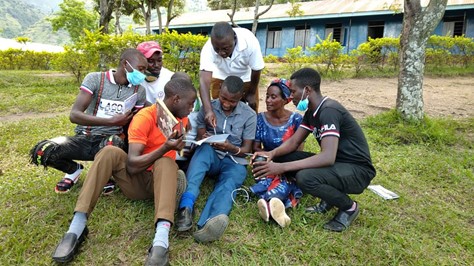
47,6
28,18
16,16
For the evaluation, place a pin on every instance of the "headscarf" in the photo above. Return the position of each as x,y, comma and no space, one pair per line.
284,86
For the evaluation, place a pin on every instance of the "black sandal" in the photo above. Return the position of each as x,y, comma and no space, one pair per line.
64,186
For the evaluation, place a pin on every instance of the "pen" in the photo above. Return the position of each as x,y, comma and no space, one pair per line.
215,133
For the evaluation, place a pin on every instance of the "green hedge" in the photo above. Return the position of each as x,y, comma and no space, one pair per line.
18,59
380,55
95,51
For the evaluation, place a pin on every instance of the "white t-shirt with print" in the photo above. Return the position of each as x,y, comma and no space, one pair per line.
156,89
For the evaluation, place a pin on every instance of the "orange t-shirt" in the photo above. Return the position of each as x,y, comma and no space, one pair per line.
144,130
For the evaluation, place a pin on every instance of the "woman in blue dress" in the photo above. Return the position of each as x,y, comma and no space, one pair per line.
275,126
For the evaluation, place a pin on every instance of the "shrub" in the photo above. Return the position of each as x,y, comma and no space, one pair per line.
376,53
329,53
18,59
76,62
271,59
295,58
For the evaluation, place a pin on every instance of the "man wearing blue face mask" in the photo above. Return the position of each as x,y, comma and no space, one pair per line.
342,167
100,114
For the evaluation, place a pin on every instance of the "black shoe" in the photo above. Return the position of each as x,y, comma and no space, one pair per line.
68,246
184,222
342,220
321,207
158,256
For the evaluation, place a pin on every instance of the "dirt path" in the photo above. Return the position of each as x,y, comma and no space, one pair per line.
443,97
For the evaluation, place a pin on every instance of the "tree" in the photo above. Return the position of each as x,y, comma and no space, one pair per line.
418,24
106,7
257,15
295,9
175,8
146,6
74,18
22,40
234,5
118,13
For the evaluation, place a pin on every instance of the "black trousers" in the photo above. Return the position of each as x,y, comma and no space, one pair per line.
78,147
333,183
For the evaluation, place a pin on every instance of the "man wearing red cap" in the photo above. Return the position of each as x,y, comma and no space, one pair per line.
157,75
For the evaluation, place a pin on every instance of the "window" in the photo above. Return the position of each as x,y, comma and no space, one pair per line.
302,36
274,37
375,29
453,26
336,31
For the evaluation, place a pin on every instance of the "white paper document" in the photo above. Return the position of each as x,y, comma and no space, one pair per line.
130,102
213,138
383,192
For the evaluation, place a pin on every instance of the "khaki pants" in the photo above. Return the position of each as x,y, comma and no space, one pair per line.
216,88
160,184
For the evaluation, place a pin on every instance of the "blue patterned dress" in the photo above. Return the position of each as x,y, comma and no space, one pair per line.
271,137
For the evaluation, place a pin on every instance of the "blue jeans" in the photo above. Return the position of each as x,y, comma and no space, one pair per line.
229,176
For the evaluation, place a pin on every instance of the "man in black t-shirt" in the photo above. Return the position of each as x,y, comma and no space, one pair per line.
342,167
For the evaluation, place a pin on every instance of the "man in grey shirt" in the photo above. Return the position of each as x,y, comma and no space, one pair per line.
100,114
223,160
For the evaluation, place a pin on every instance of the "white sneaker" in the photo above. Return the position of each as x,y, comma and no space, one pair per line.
263,209
277,211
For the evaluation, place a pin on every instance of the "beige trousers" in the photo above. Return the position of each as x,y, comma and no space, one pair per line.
159,184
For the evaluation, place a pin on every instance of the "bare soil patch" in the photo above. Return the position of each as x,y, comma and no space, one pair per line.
443,97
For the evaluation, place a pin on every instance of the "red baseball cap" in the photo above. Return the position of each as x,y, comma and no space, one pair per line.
149,48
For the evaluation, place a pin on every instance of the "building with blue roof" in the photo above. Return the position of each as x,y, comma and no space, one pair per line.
350,22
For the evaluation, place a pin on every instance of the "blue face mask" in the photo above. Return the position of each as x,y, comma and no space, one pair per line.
135,77
302,104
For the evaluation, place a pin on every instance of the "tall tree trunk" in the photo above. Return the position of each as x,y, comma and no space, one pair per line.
169,14
118,14
418,24
231,15
160,21
106,7
146,11
257,15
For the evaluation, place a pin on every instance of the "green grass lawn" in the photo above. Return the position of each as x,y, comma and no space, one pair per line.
430,165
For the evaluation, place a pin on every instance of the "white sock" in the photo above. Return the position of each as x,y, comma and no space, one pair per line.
74,176
78,223
162,234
